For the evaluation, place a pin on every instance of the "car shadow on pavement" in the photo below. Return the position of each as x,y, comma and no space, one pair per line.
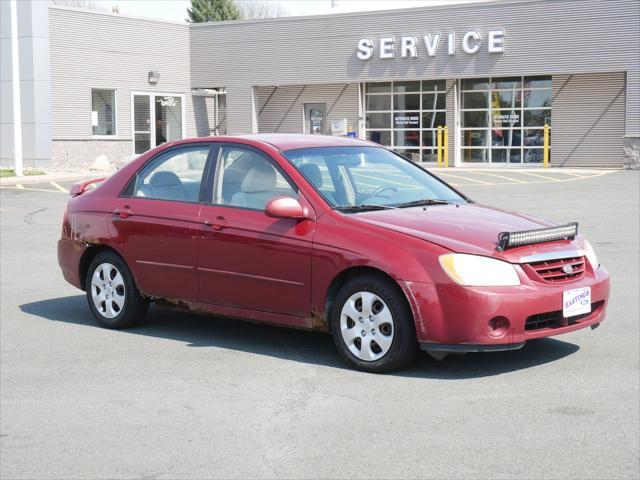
297,345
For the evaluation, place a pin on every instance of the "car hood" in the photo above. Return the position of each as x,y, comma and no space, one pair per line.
467,228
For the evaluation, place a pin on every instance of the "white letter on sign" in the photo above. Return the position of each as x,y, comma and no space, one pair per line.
496,41
467,46
386,47
451,43
431,44
365,49
408,47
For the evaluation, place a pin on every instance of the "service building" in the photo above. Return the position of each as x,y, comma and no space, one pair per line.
494,73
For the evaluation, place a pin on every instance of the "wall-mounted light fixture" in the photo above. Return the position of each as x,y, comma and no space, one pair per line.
154,76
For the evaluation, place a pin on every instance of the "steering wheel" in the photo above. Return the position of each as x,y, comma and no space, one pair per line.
382,189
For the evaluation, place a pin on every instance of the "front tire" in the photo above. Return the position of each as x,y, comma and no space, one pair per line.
372,325
111,292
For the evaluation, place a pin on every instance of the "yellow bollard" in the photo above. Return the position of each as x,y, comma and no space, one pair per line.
445,145
546,146
439,147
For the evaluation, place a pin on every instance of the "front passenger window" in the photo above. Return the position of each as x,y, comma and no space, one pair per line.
247,179
174,175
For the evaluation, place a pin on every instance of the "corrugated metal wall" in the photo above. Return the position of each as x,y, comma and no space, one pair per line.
100,50
543,37
633,101
587,120
281,109
240,107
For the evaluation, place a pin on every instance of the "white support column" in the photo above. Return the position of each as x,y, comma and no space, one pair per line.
361,114
457,160
452,118
254,110
241,109
216,114
15,83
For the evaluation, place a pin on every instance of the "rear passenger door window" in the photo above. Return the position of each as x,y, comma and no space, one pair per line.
175,175
249,179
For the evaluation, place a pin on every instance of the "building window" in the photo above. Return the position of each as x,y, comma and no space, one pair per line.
405,116
103,112
502,119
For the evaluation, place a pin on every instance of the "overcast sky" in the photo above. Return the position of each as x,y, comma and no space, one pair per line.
176,9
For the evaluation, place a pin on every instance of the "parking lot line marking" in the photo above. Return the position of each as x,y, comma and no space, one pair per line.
24,189
546,177
363,182
379,178
512,180
573,174
62,189
19,186
462,178
588,176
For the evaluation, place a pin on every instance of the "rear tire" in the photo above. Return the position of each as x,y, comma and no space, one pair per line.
112,294
372,325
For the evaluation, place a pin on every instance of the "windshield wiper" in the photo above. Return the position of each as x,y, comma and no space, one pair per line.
363,208
424,202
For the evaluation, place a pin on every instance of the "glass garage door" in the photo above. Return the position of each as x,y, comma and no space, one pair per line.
405,116
502,119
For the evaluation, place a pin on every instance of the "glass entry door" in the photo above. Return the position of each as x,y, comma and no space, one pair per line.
141,123
166,112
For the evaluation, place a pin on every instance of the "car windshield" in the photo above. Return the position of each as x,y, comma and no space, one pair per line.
358,178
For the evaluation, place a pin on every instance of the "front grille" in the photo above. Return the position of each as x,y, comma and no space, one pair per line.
552,271
556,320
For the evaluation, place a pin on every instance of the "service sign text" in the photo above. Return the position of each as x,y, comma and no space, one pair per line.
429,45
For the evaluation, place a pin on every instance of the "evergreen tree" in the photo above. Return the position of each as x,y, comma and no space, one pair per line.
213,11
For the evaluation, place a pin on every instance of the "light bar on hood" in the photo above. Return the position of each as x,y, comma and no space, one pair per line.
528,237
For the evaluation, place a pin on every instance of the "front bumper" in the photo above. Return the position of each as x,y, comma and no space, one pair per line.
450,317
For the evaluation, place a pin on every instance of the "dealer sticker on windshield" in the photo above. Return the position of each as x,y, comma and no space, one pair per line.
576,302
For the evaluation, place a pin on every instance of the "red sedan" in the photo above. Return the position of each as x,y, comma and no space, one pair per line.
325,233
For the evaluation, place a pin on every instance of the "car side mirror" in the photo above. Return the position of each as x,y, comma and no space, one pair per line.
286,207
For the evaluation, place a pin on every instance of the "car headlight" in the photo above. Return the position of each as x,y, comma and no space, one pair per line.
477,271
590,253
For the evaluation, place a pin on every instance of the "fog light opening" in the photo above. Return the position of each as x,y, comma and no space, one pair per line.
498,327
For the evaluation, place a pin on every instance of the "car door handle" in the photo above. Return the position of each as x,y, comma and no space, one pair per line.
218,224
124,212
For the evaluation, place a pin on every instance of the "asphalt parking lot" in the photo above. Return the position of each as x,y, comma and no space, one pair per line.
183,396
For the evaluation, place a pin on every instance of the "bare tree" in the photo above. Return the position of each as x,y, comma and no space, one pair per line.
86,4
256,9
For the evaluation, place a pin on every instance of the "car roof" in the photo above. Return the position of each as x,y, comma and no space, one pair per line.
289,141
